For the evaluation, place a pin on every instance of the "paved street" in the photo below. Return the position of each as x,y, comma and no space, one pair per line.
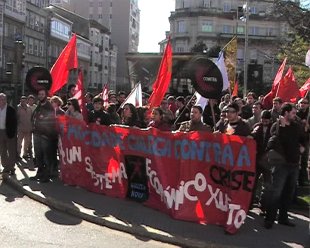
134,218
26,223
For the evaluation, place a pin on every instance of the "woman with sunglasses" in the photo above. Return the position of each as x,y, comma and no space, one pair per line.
74,110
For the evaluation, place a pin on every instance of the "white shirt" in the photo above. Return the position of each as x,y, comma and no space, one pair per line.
3,117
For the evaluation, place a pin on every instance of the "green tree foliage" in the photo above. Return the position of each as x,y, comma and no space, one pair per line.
199,47
295,51
296,47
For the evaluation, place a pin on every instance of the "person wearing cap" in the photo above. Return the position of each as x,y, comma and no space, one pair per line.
31,102
172,105
99,115
112,97
235,125
261,134
24,127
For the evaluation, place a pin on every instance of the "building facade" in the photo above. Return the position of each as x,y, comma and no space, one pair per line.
13,18
122,18
36,34
215,22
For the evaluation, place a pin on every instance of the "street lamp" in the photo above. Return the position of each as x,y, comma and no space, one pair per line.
246,40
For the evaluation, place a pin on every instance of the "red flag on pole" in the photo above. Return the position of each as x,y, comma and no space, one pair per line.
66,61
267,102
79,95
162,81
288,88
105,96
305,88
236,88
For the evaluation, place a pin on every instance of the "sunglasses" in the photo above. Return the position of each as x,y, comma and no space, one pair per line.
69,103
304,102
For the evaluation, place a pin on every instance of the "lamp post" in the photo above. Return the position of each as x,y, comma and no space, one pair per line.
246,40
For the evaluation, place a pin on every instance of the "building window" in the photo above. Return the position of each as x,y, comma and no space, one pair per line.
254,31
30,46
227,29
181,27
207,26
226,7
270,32
180,49
207,3
240,30
253,10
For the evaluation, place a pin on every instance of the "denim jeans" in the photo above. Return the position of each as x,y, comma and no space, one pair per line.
281,192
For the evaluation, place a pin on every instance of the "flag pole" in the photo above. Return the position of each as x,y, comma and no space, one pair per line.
184,109
129,95
232,39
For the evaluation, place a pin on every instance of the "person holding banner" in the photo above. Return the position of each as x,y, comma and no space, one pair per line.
98,115
157,120
130,116
235,125
195,123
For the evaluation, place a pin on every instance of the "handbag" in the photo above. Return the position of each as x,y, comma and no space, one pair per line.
274,156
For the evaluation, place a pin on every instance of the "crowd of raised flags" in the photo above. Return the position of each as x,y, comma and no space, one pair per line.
285,87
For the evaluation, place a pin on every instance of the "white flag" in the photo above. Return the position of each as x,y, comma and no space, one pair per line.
221,65
201,101
307,60
135,97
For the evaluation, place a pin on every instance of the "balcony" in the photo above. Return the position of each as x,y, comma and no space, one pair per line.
181,35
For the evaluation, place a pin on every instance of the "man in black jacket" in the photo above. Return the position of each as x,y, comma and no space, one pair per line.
284,175
8,131
98,115
45,137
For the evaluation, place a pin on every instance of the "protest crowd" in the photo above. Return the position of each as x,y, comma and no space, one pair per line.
279,127
281,134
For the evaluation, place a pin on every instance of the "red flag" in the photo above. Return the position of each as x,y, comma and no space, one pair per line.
105,96
288,88
267,102
305,88
235,91
162,81
66,61
79,95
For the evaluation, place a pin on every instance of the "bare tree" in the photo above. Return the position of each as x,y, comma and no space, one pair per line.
297,16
